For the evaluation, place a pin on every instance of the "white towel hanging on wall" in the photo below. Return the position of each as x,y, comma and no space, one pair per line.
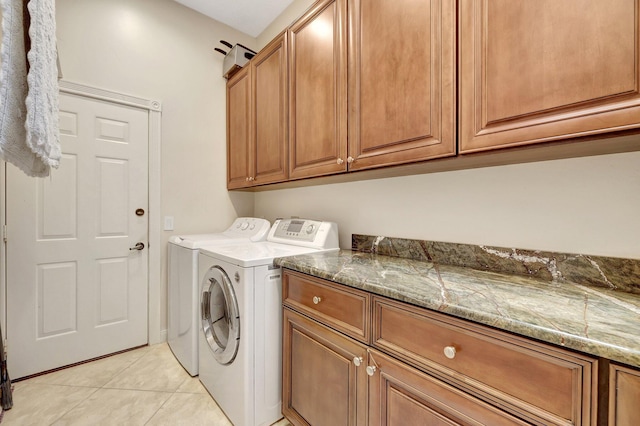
42,100
29,135
13,93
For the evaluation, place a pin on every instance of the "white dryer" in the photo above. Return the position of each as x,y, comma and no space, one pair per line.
241,314
184,285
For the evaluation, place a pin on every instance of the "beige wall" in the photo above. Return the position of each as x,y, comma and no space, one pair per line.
289,15
158,49
585,205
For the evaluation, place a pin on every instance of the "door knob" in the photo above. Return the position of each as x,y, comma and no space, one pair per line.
138,246
139,212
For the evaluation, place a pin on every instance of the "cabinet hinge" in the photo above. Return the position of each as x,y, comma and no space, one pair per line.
4,233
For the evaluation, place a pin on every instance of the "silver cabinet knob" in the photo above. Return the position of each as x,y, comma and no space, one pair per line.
316,300
371,370
339,161
350,159
357,361
450,352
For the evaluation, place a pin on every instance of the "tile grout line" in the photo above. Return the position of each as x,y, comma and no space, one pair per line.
76,405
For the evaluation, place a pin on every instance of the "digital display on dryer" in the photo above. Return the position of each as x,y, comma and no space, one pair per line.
295,226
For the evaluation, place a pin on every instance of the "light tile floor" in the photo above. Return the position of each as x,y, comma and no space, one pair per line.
146,386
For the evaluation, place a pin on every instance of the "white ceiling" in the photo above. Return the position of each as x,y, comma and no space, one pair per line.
249,16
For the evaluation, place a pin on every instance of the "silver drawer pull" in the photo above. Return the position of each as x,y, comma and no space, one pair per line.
371,370
316,300
450,352
357,361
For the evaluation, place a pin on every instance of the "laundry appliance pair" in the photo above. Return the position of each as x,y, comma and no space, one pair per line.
183,301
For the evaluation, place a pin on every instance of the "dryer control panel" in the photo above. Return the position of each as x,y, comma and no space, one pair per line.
305,232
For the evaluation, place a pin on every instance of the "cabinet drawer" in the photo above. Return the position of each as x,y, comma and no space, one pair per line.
402,395
343,308
540,383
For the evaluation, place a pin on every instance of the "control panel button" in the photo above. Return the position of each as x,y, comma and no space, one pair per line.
310,229
244,226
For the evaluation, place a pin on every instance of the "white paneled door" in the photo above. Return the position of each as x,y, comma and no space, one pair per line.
75,288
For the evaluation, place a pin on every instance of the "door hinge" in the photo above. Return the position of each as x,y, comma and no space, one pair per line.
4,233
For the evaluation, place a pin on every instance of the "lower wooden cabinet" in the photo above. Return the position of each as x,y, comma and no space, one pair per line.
322,385
420,367
624,396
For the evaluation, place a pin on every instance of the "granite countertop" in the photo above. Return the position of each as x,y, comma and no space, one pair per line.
596,321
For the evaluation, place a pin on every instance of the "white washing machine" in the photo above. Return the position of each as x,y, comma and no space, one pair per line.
241,314
184,285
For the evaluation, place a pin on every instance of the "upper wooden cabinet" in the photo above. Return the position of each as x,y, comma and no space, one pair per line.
360,84
533,71
402,71
239,129
270,113
318,91
257,113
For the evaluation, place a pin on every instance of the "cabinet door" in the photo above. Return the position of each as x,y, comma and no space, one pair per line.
238,129
318,91
321,383
270,106
624,396
534,71
401,81
402,395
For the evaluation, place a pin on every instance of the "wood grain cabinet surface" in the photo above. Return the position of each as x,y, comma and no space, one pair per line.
318,91
239,129
539,382
535,71
417,366
346,309
270,142
402,70
624,396
403,395
257,134
321,383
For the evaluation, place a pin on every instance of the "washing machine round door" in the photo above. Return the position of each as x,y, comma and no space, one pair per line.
220,315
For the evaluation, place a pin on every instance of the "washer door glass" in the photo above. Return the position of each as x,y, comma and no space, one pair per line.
220,315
